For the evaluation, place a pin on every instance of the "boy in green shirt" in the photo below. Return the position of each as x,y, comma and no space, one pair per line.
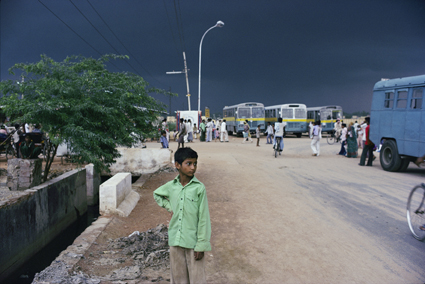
189,231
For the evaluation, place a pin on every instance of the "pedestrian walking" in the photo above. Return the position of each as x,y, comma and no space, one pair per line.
246,136
343,152
195,131
269,132
223,132
315,141
189,131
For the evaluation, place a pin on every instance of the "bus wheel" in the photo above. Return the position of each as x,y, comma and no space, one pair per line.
298,135
389,157
404,165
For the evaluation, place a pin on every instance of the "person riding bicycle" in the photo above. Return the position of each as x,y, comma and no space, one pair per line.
338,128
278,132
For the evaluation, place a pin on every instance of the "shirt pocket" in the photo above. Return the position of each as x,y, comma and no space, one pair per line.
191,203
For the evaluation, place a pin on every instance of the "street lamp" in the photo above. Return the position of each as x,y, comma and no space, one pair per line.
219,24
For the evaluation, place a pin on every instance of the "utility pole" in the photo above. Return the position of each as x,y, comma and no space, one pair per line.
187,78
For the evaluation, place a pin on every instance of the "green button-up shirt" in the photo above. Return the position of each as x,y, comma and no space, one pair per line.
190,226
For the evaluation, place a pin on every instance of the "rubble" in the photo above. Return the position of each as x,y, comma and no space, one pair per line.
138,251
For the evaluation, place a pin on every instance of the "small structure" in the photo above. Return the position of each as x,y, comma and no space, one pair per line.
116,196
23,173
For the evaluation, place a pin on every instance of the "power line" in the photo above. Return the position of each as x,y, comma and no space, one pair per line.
122,42
128,63
171,28
179,30
75,32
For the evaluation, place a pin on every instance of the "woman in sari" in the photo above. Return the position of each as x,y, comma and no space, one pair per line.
351,142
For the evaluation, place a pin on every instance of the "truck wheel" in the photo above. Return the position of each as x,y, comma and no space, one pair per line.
404,165
389,157
299,135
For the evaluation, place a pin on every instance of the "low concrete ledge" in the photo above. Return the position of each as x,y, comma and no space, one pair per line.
116,195
139,161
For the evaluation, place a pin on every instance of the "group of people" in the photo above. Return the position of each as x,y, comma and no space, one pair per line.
353,137
25,147
187,132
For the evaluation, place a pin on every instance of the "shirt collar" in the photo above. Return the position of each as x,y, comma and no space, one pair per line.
194,179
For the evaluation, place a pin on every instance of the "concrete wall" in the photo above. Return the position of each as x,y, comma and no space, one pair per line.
141,161
117,196
93,184
31,221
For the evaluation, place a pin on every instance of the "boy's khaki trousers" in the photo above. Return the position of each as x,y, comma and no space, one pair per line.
184,268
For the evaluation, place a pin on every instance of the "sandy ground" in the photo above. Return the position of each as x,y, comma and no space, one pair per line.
291,219
295,218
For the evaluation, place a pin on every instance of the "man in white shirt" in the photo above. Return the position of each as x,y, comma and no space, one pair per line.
189,131
278,128
315,140
337,128
223,132
269,133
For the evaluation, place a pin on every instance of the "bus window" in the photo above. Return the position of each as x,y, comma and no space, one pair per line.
336,115
287,113
244,112
300,113
389,100
257,112
416,102
402,99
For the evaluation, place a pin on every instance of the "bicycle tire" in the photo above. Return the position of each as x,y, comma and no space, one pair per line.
416,211
330,140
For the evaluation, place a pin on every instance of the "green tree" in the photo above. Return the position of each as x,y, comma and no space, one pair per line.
78,101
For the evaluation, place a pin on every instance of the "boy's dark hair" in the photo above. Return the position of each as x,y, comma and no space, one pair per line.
183,154
279,119
367,119
163,132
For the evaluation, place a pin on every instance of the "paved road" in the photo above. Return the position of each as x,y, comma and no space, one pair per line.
299,218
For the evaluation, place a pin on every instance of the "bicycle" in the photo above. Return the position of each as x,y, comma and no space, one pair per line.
276,147
416,212
332,139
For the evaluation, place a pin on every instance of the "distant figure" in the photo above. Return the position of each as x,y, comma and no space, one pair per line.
269,132
368,147
343,152
209,129
223,132
203,128
195,131
16,139
28,149
338,128
315,141
258,134
278,133
164,127
163,139
246,132
182,133
310,129
189,131
359,136
351,141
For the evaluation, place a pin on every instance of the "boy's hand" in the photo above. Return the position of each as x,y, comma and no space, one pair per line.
199,255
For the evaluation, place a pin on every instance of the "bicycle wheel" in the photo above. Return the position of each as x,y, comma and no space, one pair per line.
330,139
416,212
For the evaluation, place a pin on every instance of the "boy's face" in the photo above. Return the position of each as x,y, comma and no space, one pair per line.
188,167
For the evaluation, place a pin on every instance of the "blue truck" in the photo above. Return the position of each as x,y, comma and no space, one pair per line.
396,120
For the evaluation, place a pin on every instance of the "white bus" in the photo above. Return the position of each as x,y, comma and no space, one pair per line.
293,115
236,115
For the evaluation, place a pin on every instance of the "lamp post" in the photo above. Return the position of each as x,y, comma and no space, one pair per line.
219,24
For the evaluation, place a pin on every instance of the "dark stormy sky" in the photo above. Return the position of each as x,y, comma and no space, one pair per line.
284,51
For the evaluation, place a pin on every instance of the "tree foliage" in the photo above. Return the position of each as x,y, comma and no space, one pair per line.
78,101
